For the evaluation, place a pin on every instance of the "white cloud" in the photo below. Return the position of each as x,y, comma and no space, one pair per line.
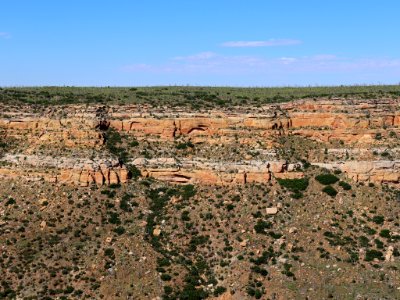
207,63
198,56
268,43
5,35
288,60
323,57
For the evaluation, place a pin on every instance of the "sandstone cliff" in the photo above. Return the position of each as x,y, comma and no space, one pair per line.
358,125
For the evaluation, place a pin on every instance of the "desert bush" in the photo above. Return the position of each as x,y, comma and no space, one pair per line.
330,191
165,277
134,143
364,241
261,226
294,185
378,219
379,244
385,233
134,172
185,145
326,179
297,195
345,185
219,290
185,216
119,230
187,191
259,270
371,254
168,290
109,252
10,201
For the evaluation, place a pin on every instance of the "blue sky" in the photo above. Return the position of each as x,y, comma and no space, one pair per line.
219,42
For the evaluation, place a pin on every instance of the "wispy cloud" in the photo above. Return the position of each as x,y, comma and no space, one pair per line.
210,63
268,43
198,56
5,35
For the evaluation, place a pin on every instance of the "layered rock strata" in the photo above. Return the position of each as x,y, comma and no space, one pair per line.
367,171
74,171
359,126
219,173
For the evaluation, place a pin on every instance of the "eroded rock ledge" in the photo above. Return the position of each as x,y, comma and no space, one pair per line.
359,125
219,173
101,171
75,171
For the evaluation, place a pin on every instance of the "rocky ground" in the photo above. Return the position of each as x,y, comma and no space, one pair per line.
293,201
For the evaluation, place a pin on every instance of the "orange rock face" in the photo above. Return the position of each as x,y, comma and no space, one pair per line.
354,123
369,171
214,173
64,132
64,170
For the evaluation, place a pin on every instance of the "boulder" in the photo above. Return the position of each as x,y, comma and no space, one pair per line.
272,210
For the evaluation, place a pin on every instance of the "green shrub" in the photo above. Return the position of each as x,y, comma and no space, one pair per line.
119,230
378,219
327,179
259,270
364,241
370,255
306,164
168,290
185,216
134,143
297,195
188,191
134,172
330,191
114,218
219,290
114,185
256,293
379,244
294,185
230,207
163,262
165,277
109,252
69,290
385,233
345,185
124,204
261,226
10,201
113,142
182,146
110,194
275,235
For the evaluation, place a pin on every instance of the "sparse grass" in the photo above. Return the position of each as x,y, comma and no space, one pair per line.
183,96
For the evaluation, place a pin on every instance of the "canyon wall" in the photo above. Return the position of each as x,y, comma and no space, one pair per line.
356,124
